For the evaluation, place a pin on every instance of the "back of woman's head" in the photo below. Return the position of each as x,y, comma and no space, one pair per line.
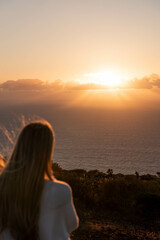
22,180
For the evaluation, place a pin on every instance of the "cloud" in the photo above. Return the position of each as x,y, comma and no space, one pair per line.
35,91
145,83
30,92
39,85
21,93
33,85
23,84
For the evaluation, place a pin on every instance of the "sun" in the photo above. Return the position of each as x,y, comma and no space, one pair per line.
110,79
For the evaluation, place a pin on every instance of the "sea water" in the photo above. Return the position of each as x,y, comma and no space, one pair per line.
123,140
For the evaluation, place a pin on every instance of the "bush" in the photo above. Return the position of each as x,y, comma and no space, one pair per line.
148,205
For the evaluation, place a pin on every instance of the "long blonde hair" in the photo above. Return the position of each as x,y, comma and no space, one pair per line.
22,181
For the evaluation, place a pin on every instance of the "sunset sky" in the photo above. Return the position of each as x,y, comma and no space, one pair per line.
71,40
92,69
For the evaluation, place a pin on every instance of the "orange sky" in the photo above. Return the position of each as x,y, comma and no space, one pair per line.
64,40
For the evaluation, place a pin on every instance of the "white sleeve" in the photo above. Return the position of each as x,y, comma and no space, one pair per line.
71,218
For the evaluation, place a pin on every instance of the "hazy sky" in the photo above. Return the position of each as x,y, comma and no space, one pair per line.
64,39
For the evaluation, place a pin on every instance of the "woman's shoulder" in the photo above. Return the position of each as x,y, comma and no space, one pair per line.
57,193
57,186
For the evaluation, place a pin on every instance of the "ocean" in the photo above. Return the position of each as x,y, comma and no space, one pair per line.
122,140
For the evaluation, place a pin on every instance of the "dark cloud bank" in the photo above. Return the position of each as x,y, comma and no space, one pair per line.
35,91
38,85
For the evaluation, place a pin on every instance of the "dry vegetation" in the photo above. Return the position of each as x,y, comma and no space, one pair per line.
113,206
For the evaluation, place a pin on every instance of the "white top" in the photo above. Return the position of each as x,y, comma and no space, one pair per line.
58,216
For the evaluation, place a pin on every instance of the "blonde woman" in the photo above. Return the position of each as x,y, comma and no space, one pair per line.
33,204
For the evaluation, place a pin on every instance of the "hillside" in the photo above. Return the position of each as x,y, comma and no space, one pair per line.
113,206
